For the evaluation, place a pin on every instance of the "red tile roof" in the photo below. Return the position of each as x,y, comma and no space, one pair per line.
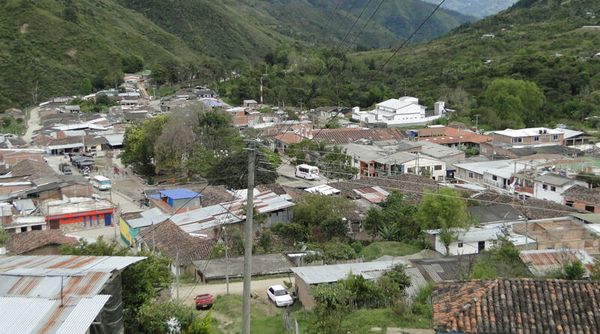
25,242
289,138
517,306
350,135
447,135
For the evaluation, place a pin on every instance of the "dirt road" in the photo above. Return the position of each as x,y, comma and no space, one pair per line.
259,287
33,124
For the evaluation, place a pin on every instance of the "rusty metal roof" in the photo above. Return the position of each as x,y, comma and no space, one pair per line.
30,291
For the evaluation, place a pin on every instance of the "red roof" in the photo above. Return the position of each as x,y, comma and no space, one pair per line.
289,138
447,135
349,135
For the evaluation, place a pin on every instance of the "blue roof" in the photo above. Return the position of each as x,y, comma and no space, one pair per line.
179,193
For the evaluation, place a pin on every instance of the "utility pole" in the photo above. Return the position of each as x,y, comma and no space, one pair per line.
226,259
248,242
177,272
477,123
261,91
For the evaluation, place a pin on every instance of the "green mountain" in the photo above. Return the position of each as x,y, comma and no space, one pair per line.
47,47
477,8
547,42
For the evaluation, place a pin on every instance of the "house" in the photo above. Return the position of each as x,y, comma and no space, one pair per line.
131,223
551,187
250,104
572,138
403,111
383,160
23,224
350,135
476,239
208,220
373,195
77,213
307,277
499,150
65,145
448,155
181,247
516,305
44,242
582,198
449,136
495,174
545,262
283,140
560,233
62,294
529,137
171,200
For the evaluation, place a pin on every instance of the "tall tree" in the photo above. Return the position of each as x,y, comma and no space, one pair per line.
395,219
515,102
444,210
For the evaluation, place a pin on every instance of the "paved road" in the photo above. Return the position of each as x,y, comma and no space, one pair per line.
33,124
259,287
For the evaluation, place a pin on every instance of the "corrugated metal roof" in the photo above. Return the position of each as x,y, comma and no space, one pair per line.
17,314
228,212
82,316
336,272
148,217
372,194
63,265
179,193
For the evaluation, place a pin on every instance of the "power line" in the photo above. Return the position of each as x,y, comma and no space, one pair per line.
413,33
353,25
366,23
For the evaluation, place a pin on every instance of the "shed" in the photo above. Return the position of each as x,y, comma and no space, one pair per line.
262,265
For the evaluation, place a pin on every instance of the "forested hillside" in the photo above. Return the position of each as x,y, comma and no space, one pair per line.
48,47
541,42
477,8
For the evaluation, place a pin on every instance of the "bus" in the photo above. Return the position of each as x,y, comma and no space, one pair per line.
307,172
101,183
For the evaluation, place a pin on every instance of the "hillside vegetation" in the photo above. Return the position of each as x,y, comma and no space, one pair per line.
477,8
541,45
50,46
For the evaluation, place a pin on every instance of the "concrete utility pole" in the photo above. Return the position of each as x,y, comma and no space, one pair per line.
226,259
477,123
177,272
248,241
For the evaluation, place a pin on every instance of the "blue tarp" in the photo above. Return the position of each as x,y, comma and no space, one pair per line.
179,194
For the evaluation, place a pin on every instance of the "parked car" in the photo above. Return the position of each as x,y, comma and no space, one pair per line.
204,301
65,169
279,295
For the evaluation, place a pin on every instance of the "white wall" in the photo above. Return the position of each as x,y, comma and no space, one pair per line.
547,194
467,248
429,164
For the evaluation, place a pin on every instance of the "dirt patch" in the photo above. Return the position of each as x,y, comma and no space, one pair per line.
24,28
72,52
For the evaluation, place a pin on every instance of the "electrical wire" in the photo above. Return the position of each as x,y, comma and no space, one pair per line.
413,33
355,38
353,25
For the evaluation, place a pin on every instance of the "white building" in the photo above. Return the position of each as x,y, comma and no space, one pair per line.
399,112
377,161
551,187
475,240
494,174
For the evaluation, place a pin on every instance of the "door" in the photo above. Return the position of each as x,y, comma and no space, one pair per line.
54,224
480,246
107,219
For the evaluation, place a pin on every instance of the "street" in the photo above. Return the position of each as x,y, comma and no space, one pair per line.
187,292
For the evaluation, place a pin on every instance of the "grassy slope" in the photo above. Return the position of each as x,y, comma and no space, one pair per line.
538,31
393,248
40,46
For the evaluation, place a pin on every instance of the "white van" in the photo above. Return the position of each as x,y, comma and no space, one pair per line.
101,183
307,172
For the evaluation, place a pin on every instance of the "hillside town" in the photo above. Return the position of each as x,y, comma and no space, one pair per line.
355,195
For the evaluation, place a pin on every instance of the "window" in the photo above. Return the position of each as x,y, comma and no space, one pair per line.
554,137
471,175
589,208
536,138
36,228
569,203
495,178
552,188
545,187
24,229
460,245
410,170
438,167
517,140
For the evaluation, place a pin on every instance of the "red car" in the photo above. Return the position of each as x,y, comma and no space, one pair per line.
204,301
